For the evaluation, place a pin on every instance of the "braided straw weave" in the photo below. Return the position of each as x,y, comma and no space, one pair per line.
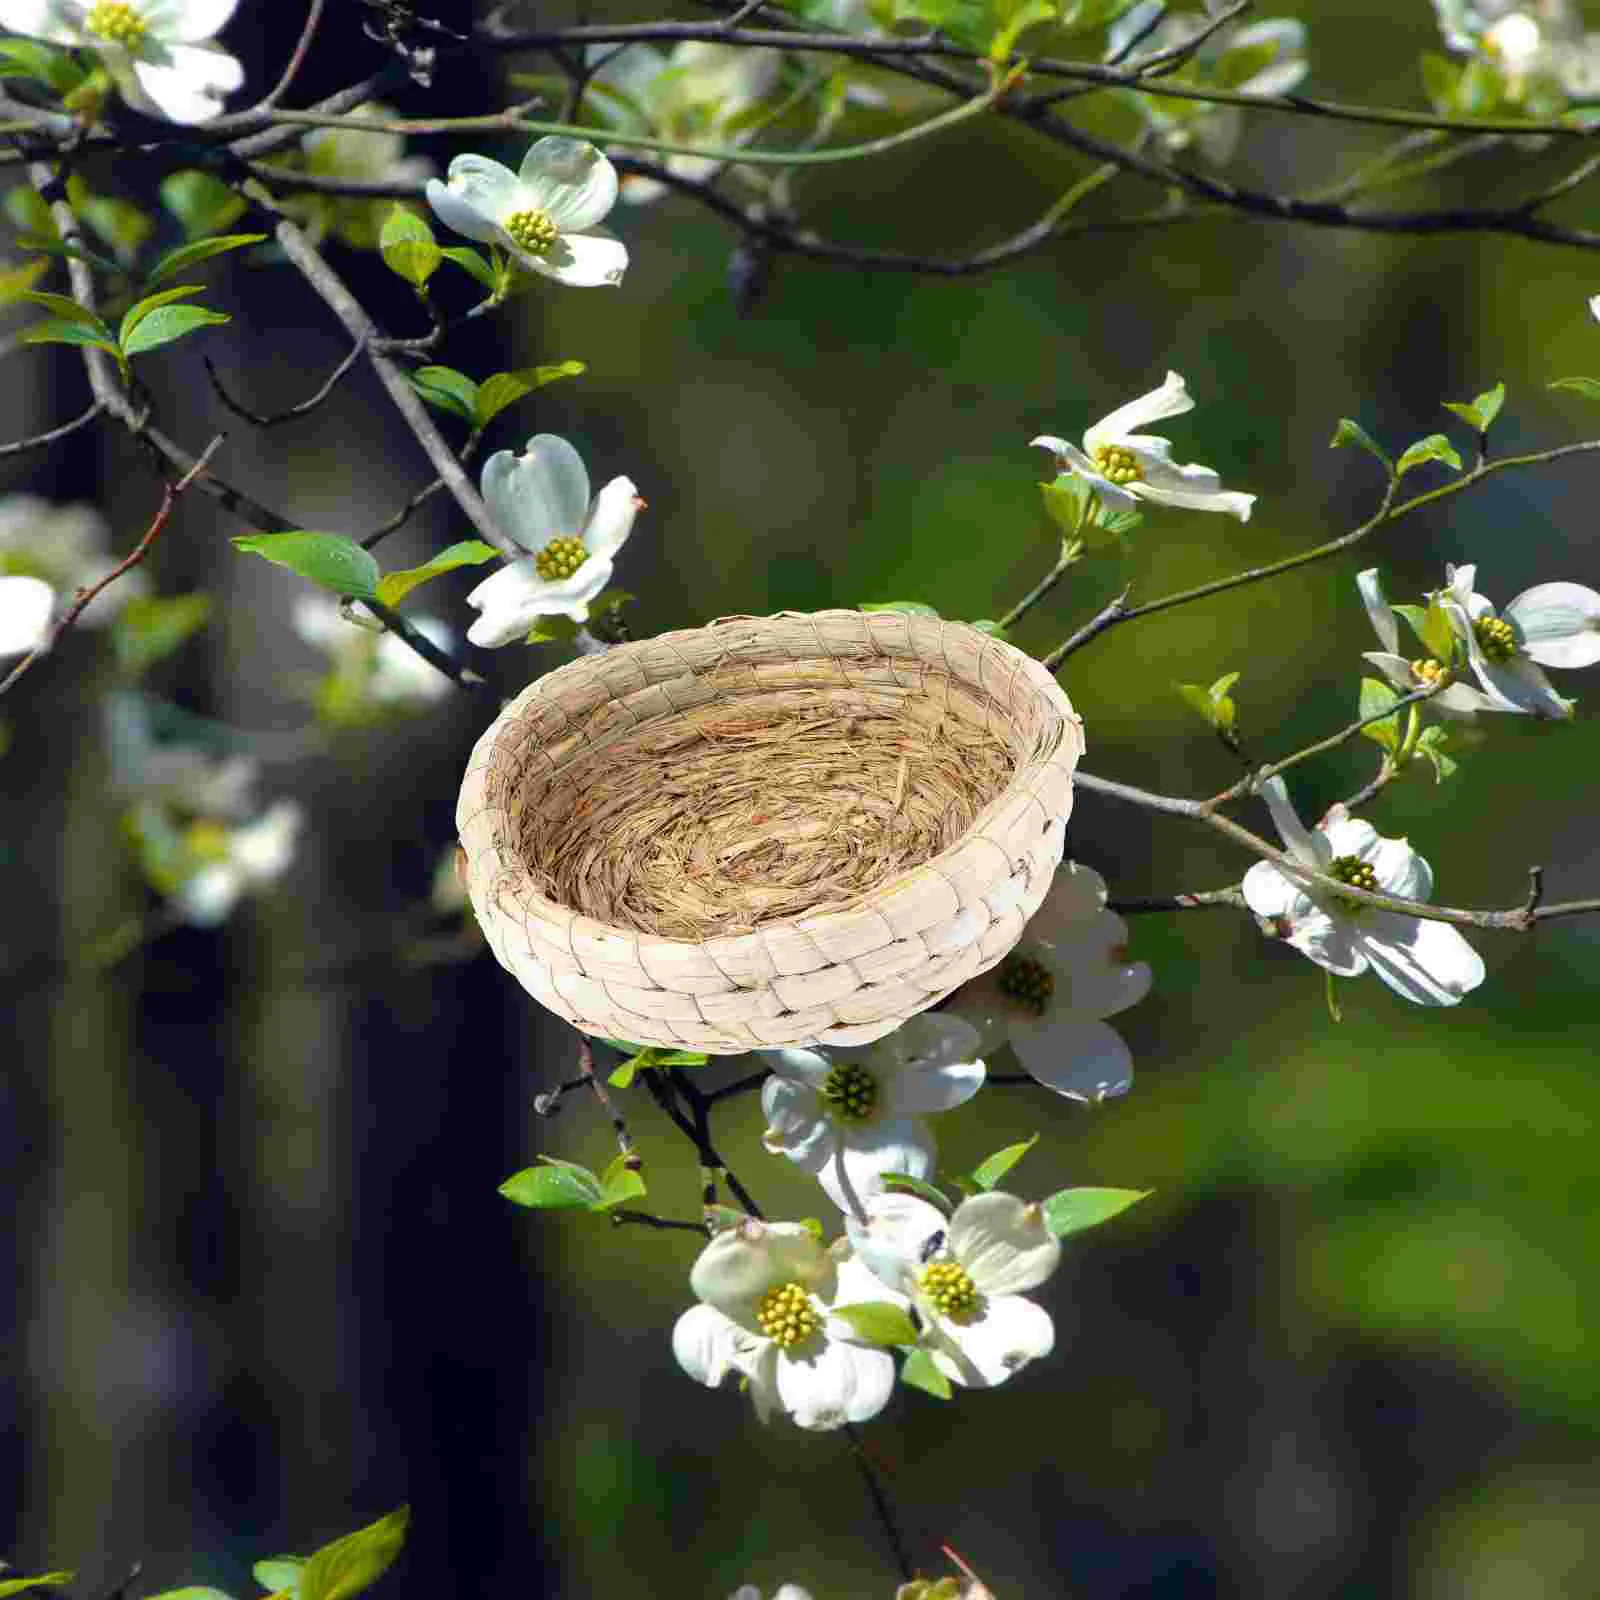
770,831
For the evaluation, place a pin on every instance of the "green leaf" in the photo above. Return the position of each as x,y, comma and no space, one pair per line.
393,587
192,1592
16,281
1349,432
1441,81
332,560
653,1056
355,1562
1589,388
1431,747
910,608
150,627
1481,411
918,1370
1073,1210
445,389
619,1183
140,309
1236,67
1376,697
1027,15
469,260
119,222
202,203
626,1046
407,247
1088,14
879,1322
722,1218
27,58
167,323
552,630
17,1585
502,389
990,627
1434,448
1067,500
188,255
67,309
279,1573
904,1183
988,1173
53,332
554,1186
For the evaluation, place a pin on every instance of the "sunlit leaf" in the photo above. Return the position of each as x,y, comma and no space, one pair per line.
988,1173
1349,432
502,389
445,389
393,587
1434,448
880,1322
356,1562
167,323
554,1186
408,248
198,250
918,1370
1072,1210
332,560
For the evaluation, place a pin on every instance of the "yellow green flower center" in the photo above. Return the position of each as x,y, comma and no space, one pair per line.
1430,672
1497,639
207,840
786,1315
560,559
531,230
950,1289
851,1093
1118,464
1029,980
1354,871
116,21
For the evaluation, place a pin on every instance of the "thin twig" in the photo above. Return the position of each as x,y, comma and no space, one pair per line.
631,1158
296,60
304,408
55,434
169,498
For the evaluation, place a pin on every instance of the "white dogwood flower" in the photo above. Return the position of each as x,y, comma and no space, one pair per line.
1409,675
545,214
768,1292
25,607
966,1278
862,1107
359,155
66,547
1549,625
1125,467
248,858
157,52
374,670
1049,997
787,1591
541,499
1422,961
696,93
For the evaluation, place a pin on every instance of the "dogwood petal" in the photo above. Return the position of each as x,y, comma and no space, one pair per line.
796,1125
738,1266
39,19
915,1089
1519,685
189,21
590,260
1004,1337
900,1144
1379,612
1190,488
25,607
569,180
825,1384
1271,893
513,599
1333,942
1172,399
896,1236
1428,963
478,196
705,1343
189,86
1304,844
1003,1243
539,495
1559,624
1083,1060
611,517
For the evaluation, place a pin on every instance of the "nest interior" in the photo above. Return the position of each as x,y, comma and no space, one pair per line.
793,790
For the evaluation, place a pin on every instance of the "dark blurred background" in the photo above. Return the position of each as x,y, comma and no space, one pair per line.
266,1290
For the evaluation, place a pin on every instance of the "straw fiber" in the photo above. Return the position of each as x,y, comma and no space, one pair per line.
770,831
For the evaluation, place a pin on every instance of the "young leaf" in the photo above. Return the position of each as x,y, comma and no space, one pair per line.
1376,697
407,247
1481,411
1434,448
619,1183
140,309
904,1183
27,58
501,389
150,627
555,1186
918,1370
990,627
1589,388
445,389
1073,1210
279,1573
332,560
1431,747
880,1322
192,1592
393,587
67,309
910,608
988,1173
552,630
469,260
355,1562
201,203
53,331
1349,432
1068,502
167,323
16,281
9,1586
188,255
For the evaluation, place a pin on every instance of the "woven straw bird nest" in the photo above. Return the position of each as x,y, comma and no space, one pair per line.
770,831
